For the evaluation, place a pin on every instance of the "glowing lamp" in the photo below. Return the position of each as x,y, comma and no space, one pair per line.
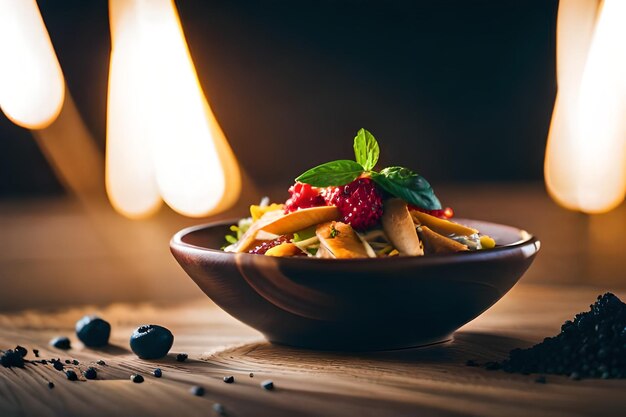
163,141
31,82
585,164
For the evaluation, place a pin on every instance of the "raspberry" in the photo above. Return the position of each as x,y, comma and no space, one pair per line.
267,245
360,202
303,196
445,214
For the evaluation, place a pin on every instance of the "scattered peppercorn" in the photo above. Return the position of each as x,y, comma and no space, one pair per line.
57,365
101,362
36,352
229,379
593,345
157,373
251,375
11,358
75,362
43,361
93,331
197,390
61,343
71,375
21,350
181,357
90,373
67,361
50,384
136,378
268,384
151,341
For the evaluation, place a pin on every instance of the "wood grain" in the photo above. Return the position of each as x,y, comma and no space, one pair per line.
431,381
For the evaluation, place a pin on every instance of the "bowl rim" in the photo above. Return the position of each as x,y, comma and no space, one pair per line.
526,240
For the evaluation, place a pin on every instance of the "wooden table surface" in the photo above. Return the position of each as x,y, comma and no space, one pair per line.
429,381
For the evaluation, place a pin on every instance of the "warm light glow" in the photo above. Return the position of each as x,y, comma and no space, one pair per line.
162,137
31,82
585,166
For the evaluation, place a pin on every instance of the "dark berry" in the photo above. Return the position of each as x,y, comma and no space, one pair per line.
181,357
36,352
303,196
21,350
93,331
359,202
71,375
229,379
197,390
157,373
151,341
268,384
11,358
219,409
136,378
61,342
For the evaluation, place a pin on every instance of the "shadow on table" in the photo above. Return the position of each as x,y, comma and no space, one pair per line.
479,347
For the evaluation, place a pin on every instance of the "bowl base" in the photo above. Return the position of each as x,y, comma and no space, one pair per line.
341,346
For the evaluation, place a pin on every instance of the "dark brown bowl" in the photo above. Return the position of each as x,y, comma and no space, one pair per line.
355,304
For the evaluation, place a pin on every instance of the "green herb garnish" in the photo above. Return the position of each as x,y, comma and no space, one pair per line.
333,232
398,181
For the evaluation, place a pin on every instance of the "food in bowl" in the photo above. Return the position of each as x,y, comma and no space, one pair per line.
345,209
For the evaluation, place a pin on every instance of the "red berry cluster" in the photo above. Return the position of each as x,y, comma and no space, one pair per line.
268,244
360,202
303,196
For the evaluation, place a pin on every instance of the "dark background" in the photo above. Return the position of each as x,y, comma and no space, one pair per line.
460,90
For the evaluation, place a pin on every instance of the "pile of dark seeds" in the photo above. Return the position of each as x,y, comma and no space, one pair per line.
593,345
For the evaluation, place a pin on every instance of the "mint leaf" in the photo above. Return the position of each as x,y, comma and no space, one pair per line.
407,185
333,173
366,150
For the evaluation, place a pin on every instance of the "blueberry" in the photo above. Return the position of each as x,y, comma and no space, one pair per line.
229,379
136,378
90,373
71,375
93,331
61,343
157,373
181,357
268,384
219,409
197,390
151,341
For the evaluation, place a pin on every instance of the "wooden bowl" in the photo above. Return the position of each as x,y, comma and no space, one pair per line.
355,304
